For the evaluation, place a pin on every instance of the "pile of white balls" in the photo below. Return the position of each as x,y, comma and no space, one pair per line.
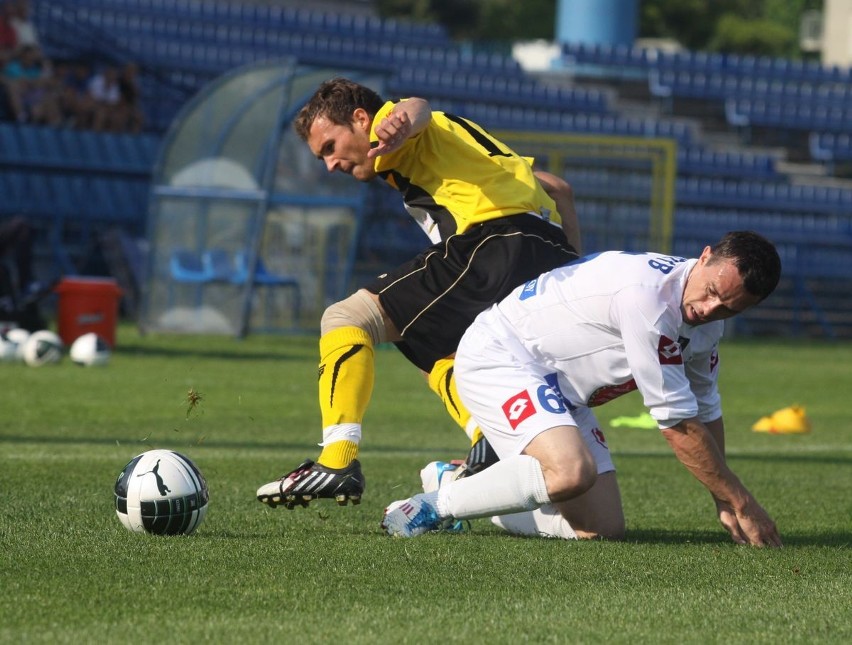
44,347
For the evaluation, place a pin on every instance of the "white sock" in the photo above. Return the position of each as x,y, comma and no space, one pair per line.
545,522
511,485
341,432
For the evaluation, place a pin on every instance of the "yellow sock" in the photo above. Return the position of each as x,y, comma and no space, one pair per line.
346,375
338,454
443,383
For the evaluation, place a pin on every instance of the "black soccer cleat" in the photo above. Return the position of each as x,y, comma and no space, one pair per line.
313,481
480,457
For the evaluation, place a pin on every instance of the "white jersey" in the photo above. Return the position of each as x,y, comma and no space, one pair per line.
608,324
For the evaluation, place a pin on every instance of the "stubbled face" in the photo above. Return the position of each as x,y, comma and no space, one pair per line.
341,148
714,292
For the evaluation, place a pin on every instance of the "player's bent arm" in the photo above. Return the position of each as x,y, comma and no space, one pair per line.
726,513
405,120
696,449
561,192
716,428
416,111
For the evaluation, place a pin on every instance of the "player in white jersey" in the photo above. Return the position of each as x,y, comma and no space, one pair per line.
530,367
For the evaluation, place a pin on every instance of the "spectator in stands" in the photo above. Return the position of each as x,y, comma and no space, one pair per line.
128,115
25,29
105,95
8,36
31,88
75,102
8,43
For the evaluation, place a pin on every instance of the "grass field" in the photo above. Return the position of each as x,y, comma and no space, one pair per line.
70,573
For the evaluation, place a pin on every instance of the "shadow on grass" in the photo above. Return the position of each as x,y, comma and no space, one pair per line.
433,452
836,539
178,440
256,354
144,444
645,536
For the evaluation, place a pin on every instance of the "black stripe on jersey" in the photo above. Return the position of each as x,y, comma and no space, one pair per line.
483,140
337,365
447,380
416,197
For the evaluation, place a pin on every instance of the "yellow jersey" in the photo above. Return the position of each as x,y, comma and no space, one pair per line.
453,175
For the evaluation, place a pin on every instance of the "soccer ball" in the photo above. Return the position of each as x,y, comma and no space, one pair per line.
8,348
90,349
42,348
161,492
15,338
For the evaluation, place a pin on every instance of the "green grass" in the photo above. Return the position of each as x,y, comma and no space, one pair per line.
69,572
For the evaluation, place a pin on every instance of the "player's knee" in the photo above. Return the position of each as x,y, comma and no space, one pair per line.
358,310
571,477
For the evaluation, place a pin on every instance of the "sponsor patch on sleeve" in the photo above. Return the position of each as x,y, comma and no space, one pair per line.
669,351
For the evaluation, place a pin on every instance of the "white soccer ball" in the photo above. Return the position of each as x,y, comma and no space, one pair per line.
90,349
8,348
16,338
43,348
161,492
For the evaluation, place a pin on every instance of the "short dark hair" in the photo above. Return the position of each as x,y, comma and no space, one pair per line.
336,99
755,257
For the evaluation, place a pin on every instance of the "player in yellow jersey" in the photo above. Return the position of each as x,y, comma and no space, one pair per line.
493,222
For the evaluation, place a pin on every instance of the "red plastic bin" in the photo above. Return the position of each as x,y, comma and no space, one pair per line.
87,305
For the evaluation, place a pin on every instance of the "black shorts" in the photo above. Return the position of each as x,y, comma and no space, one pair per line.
433,298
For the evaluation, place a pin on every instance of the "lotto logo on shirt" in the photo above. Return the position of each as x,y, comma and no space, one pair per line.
518,408
714,360
669,351
529,289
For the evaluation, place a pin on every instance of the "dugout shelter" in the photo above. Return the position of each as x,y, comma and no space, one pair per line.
247,230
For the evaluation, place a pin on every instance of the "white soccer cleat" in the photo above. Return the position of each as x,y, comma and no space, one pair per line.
413,516
437,473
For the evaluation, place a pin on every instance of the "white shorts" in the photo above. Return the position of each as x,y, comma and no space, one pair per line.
513,399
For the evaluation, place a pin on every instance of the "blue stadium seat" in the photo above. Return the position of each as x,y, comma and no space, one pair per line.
263,278
187,266
15,192
218,265
10,146
830,146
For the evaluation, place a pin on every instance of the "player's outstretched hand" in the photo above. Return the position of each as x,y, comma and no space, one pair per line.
729,520
752,525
